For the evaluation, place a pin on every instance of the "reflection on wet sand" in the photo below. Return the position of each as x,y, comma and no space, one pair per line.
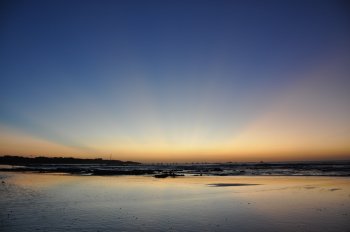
46,202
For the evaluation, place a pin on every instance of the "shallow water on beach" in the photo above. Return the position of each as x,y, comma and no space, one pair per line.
59,202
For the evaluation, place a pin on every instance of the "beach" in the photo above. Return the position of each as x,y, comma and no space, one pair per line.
64,202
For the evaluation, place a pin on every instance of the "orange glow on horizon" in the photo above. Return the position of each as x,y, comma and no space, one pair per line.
241,151
304,123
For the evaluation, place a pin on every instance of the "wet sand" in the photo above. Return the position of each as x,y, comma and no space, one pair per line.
229,184
61,202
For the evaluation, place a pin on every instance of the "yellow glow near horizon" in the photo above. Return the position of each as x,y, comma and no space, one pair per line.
249,146
308,121
176,81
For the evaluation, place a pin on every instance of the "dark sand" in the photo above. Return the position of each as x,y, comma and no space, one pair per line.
229,184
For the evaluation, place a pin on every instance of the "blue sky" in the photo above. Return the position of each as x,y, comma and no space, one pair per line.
106,77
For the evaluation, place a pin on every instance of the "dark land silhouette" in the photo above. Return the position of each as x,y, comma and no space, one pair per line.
19,160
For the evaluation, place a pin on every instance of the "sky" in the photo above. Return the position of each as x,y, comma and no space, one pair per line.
175,81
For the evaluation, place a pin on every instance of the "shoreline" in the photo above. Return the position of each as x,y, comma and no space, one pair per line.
172,171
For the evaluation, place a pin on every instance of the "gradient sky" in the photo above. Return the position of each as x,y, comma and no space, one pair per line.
175,80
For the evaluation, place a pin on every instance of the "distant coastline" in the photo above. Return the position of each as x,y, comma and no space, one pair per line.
20,160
